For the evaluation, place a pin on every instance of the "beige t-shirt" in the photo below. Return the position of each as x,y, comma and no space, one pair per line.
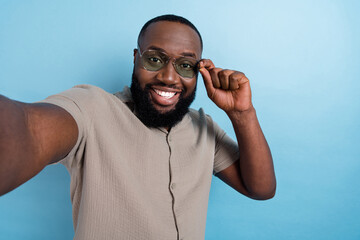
132,182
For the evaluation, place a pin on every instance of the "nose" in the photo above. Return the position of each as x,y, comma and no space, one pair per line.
168,74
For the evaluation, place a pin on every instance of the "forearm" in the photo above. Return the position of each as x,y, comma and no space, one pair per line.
256,164
15,145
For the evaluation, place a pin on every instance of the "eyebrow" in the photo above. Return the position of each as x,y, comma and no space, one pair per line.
185,54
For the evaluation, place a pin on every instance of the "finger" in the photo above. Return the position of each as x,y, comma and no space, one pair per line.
241,78
215,77
233,84
207,79
237,79
209,65
224,78
206,63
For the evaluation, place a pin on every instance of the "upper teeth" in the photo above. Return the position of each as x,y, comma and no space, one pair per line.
165,94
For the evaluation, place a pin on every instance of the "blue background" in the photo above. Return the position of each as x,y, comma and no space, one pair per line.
303,61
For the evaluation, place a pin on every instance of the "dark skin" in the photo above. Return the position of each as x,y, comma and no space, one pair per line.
180,42
253,175
29,139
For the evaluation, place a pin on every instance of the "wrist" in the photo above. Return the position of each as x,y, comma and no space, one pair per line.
242,117
241,113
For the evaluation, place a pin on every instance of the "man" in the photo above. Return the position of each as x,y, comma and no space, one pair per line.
140,160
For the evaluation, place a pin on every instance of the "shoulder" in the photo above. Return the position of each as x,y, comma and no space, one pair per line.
86,102
84,92
84,96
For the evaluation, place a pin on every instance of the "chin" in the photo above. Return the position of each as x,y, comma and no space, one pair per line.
156,115
163,109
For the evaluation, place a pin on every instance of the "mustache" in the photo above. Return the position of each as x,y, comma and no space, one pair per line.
160,84
146,111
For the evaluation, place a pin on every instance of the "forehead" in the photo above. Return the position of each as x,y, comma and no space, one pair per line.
175,38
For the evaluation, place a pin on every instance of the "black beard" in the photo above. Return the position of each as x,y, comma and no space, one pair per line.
152,117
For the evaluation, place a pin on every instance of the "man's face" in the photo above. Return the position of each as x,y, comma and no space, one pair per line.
165,90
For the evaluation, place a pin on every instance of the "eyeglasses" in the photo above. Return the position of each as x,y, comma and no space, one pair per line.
154,60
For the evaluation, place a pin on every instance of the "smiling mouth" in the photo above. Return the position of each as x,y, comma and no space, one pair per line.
165,94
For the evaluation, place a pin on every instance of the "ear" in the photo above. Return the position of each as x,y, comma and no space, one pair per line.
135,52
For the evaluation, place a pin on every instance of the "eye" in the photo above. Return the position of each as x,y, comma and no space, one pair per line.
186,66
155,59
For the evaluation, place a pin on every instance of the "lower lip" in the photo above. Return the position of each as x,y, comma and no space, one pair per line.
162,101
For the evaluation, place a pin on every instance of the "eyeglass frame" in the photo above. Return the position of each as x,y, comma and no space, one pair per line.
196,68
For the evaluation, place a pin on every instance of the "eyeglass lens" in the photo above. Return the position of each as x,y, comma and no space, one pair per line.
153,60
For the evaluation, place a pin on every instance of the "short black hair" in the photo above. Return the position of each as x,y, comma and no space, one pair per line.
169,18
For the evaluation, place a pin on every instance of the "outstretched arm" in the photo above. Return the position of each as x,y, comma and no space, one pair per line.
31,136
253,175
